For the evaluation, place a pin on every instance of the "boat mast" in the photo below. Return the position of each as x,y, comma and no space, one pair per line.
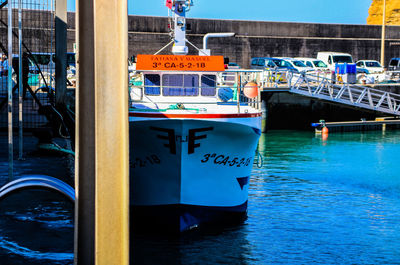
179,9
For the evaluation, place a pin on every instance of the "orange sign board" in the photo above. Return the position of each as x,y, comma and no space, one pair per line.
180,63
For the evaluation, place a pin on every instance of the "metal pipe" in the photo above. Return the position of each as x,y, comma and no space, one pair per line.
10,88
20,84
215,35
61,52
37,181
383,34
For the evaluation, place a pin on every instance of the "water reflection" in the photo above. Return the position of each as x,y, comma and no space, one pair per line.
36,228
221,246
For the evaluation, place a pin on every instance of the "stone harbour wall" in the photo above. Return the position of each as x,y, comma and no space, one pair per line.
146,35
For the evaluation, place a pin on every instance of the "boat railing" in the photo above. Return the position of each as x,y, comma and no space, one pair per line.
239,78
228,90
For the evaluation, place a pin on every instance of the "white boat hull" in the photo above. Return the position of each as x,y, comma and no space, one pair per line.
186,172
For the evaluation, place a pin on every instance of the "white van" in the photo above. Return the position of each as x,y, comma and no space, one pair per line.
332,58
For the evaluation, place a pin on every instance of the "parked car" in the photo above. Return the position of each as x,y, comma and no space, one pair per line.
372,68
291,64
299,65
332,58
317,65
363,76
262,63
394,64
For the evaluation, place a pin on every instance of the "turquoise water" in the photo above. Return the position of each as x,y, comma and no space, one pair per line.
334,201
368,160
314,201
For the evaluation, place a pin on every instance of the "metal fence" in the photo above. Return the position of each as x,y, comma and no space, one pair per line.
33,39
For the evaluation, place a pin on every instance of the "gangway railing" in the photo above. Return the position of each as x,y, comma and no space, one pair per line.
345,93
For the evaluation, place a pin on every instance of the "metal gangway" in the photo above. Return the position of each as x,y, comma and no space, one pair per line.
322,87
344,93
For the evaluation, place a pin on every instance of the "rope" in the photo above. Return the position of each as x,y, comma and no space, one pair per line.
196,47
163,48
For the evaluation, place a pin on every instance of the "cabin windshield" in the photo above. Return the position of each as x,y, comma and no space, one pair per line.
180,84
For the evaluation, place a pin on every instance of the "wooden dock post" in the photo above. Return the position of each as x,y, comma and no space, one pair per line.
102,159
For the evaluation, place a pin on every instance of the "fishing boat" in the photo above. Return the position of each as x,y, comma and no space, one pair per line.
194,129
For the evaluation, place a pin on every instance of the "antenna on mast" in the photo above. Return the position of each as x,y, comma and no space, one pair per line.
179,9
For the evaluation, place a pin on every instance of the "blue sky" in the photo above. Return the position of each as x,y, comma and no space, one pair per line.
312,11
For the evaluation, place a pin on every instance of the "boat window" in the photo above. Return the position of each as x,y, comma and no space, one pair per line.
152,84
208,85
180,85
254,62
309,64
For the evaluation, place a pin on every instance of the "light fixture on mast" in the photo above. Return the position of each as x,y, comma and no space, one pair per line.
179,9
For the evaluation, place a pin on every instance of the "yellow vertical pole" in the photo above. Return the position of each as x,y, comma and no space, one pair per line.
102,159
112,146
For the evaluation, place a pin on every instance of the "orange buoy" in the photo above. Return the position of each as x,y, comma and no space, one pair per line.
251,90
325,133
